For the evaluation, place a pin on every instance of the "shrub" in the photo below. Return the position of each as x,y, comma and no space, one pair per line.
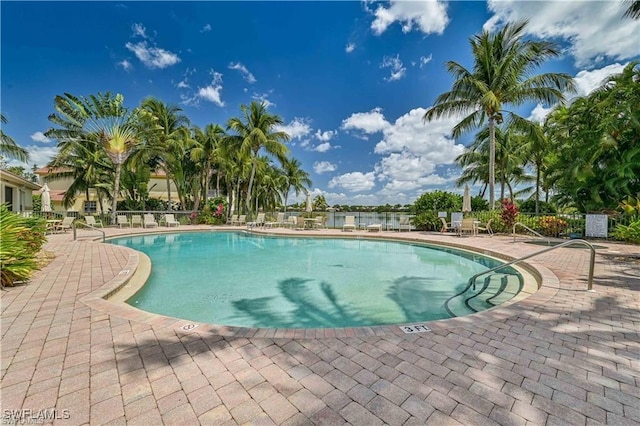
21,239
426,221
529,206
630,233
509,213
437,201
552,226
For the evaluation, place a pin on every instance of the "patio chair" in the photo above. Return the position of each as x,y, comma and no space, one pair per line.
232,220
258,222
123,221
320,222
445,226
149,221
278,222
404,223
91,221
486,228
242,219
349,223
300,225
468,225
67,223
291,221
170,221
136,219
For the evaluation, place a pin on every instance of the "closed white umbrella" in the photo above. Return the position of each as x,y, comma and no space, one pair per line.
466,199
46,199
309,204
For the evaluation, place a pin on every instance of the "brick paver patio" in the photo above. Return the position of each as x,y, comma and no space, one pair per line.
562,356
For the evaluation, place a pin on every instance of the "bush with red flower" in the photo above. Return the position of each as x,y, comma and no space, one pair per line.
509,213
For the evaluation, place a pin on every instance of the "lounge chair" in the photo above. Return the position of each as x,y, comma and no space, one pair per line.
136,219
349,223
149,221
67,223
374,227
278,222
291,221
445,226
320,222
123,221
468,225
232,220
91,221
405,223
300,225
486,228
242,219
170,221
258,222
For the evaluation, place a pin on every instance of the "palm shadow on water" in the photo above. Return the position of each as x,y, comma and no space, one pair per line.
413,295
307,312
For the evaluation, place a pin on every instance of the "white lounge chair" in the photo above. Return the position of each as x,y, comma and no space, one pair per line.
374,227
91,221
291,221
277,223
232,220
123,221
67,223
486,228
405,223
149,221
170,221
242,219
258,222
136,219
349,223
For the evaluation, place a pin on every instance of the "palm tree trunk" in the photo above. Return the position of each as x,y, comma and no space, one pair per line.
492,163
538,190
286,197
166,172
253,173
116,190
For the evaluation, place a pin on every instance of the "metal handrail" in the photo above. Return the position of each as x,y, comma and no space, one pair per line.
592,261
528,229
472,280
104,235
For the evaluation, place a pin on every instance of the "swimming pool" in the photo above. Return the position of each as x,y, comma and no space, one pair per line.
246,280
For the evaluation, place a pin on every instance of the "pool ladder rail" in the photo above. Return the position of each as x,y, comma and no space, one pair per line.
537,234
75,236
504,281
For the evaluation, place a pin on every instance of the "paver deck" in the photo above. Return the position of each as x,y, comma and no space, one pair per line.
562,356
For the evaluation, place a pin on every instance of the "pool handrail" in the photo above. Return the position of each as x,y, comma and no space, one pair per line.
86,225
528,229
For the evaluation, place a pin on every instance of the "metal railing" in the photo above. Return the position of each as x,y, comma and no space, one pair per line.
472,280
528,229
75,236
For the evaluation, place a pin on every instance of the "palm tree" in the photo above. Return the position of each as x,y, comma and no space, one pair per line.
502,74
254,132
168,145
295,178
204,153
101,119
9,147
633,11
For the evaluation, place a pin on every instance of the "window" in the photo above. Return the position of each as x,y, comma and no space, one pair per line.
90,206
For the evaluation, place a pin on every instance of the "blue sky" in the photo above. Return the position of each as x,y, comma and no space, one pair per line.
350,79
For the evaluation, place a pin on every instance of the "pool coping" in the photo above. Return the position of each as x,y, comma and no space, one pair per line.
138,267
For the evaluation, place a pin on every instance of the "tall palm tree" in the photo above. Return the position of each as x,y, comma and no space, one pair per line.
100,118
502,74
255,132
204,153
9,147
295,178
633,11
169,144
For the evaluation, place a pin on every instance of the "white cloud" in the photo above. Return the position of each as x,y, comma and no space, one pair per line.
139,30
126,65
354,181
323,147
586,82
350,47
206,28
40,137
151,56
263,98
244,71
41,155
211,92
324,167
397,68
183,84
593,29
424,60
428,16
325,136
298,128
368,122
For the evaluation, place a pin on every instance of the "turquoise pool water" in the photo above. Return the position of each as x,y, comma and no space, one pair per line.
239,279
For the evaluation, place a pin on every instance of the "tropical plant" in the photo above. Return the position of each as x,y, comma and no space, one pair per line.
552,226
9,147
204,152
633,11
437,201
21,239
502,74
509,213
630,233
100,119
295,178
255,131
